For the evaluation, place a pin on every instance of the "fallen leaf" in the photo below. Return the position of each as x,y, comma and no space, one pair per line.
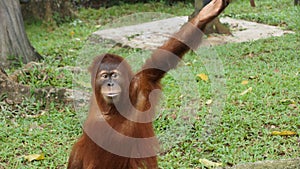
276,70
246,91
208,102
293,106
188,63
34,157
283,133
244,82
173,116
203,76
287,101
209,164
253,77
36,115
72,33
34,126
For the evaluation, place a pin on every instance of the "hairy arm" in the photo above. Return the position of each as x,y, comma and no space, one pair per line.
188,37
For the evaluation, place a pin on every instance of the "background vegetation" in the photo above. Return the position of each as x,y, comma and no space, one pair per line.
270,66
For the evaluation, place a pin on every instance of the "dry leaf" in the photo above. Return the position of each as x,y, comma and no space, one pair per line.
287,101
72,33
34,157
283,133
34,126
209,164
187,63
293,106
253,77
208,102
246,91
203,76
244,82
276,70
36,115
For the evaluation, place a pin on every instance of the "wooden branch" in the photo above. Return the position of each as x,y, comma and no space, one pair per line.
214,26
252,3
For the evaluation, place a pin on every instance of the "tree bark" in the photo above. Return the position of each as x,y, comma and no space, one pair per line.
14,44
214,26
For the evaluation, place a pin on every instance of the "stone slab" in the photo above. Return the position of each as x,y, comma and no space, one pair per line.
150,35
270,164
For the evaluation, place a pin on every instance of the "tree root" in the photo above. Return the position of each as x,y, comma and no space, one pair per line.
13,92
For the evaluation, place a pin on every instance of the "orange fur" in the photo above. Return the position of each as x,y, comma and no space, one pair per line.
137,102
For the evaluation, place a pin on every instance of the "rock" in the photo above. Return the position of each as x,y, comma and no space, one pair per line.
271,164
151,35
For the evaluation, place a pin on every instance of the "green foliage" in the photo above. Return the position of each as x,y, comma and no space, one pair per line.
44,76
109,3
106,15
15,61
243,134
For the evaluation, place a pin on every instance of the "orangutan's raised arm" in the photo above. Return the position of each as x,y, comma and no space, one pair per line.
188,37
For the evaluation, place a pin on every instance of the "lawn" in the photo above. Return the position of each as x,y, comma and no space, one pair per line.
261,93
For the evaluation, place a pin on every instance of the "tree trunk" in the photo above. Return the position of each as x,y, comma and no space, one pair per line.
214,26
14,44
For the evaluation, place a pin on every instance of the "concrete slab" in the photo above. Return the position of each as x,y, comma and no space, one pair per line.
151,35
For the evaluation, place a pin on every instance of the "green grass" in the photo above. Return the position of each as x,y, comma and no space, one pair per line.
243,130
277,12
